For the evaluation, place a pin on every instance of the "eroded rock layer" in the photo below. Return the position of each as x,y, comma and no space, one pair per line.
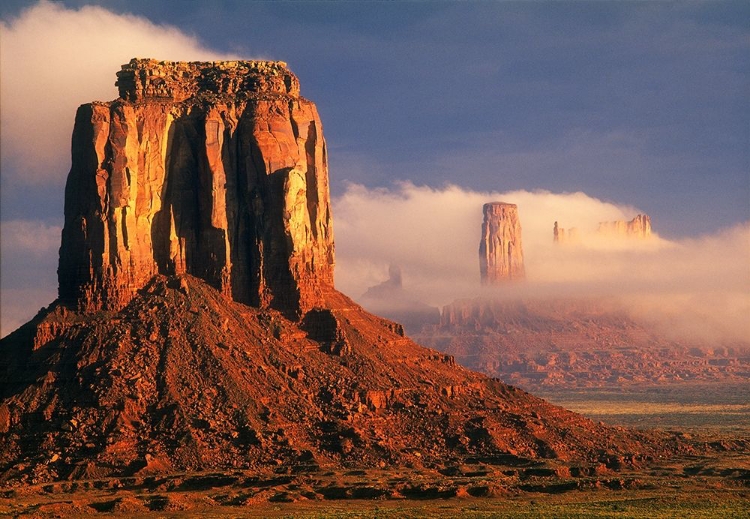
217,169
574,343
500,248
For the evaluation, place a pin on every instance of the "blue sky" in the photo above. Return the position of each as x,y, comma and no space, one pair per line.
639,103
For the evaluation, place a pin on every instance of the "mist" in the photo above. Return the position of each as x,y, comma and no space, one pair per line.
696,288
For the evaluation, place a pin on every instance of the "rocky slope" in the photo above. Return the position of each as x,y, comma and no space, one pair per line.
500,247
182,378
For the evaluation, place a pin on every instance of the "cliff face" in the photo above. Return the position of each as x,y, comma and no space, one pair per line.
638,227
217,169
500,248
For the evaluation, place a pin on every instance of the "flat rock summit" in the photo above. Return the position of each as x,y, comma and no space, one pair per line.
197,325
214,169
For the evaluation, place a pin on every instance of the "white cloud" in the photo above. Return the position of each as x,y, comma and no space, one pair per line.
53,59
433,235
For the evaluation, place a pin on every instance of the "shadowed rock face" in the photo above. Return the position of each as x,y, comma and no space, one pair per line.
216,169
500,248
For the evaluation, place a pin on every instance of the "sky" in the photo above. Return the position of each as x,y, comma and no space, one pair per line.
576,110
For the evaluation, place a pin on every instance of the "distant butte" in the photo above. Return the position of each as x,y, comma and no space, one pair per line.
560,235
639,227
500,247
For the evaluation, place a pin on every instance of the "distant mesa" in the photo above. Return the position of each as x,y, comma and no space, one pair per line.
500,247
639,227
387,287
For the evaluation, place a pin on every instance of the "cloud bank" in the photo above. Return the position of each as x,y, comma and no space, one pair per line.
53,59
698,287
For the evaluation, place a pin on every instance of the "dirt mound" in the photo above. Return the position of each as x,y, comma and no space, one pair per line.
184,379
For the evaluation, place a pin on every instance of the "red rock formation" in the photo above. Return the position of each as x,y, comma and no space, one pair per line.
227,186
638,227
500,249
217,169
539,344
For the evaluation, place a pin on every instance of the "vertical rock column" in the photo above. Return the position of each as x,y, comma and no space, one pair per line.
216,169
500,248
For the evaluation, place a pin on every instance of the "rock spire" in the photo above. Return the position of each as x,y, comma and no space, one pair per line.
216,169
500,248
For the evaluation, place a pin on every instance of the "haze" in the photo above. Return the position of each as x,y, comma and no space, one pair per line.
698,288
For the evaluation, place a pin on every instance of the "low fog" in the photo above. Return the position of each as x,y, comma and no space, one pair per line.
697,288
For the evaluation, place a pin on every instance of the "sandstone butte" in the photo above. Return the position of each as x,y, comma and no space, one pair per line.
500,247
197,327
215,169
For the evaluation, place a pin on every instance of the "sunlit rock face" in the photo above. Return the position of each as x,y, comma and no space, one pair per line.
217,169
500,247
638,227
